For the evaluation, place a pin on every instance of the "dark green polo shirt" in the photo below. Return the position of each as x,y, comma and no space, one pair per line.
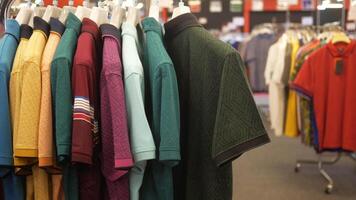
61,85
164,115
219,118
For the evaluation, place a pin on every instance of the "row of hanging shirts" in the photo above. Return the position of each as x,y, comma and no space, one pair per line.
105,12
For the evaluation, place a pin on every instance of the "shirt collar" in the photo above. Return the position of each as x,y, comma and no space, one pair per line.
56,26
41,25
110,30
73,23
13,28
90,26
151,24
26,31
345,49
180,23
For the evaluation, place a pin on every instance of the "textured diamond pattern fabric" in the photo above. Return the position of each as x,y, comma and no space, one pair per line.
116,151
219,119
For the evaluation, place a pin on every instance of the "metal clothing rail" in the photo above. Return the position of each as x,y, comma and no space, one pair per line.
320,163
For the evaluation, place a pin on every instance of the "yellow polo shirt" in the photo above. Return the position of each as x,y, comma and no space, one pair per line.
15,87
27,136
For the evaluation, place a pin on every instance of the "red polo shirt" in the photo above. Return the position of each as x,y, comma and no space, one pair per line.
85,134
328,77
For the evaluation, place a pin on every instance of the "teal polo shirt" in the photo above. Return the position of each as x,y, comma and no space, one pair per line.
61,85
13,185
164,115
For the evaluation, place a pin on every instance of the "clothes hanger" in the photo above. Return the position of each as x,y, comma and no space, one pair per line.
24,15
154,10
66,10
83,11
132,13
180,10
99,15
38,11
51,11
340,37
118,15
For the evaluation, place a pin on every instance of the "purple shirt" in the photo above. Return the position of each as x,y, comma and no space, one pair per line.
116,153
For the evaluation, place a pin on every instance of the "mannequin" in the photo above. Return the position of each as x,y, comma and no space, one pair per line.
180,10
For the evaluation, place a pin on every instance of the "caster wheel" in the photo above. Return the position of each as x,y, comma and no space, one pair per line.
297,168
328,189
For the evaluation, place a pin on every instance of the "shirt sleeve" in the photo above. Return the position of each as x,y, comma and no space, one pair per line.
62,101
83,115
169,147
5,127
142,143
238,125
303,83
116,97
27,139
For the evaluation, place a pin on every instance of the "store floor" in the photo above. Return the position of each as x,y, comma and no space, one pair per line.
267,173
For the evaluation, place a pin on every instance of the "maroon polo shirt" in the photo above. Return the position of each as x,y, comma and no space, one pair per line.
85,134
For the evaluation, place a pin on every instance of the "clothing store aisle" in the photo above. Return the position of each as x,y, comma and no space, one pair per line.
267,173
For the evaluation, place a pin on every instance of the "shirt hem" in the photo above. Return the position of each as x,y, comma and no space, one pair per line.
145,155
4,160
81,158
123,163
32,153
169,155
45,161
239,149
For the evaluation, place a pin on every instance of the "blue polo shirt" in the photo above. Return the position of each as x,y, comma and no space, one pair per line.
13,185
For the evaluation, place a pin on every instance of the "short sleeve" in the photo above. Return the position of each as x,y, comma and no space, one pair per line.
169,150
303,83
238,125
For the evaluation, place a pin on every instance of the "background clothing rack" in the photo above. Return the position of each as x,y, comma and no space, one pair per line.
320,163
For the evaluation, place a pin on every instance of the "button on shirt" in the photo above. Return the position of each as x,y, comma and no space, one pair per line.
142,144
158,180
27,138
116,152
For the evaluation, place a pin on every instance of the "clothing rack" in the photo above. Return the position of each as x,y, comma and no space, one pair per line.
319,162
